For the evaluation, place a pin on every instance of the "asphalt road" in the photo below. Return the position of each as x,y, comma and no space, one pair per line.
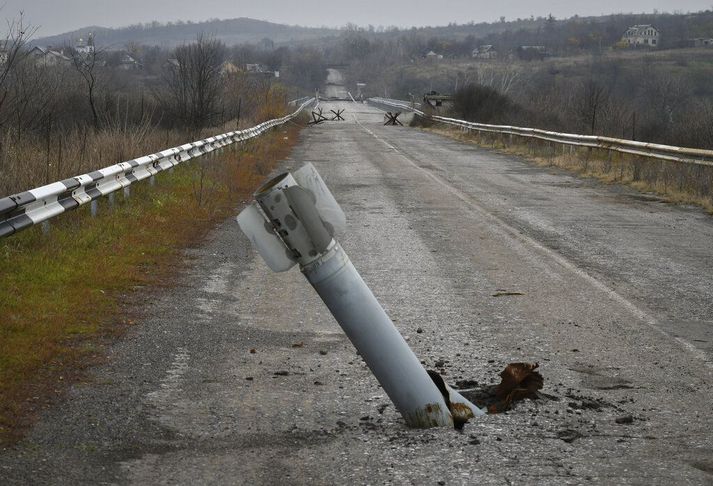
615,298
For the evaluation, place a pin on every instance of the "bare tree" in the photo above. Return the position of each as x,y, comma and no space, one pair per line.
592,97
12,52
86,64
193,82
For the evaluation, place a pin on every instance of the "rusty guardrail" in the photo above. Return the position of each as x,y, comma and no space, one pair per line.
669,153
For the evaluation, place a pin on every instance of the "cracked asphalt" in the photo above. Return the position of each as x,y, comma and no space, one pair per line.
240,376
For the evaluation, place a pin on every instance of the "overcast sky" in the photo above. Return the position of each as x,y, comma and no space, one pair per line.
58,16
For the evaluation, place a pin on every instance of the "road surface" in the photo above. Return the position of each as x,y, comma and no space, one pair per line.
610,291
334,87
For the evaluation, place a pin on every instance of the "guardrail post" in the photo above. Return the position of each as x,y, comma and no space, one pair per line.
127,192
294,221
94,208
45,227
111,199
152,181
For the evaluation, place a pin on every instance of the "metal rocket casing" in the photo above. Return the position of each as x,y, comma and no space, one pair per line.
295,220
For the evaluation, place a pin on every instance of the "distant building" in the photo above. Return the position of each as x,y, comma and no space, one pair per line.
85,47
229,68
485,52
701,42
433,55
128,63
255,68
641,35
261,70
46,56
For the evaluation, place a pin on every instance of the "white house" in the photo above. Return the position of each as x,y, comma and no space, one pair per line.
485,52
641,35
433,55
85,48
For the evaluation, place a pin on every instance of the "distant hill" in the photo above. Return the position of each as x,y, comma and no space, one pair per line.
558,35
231,31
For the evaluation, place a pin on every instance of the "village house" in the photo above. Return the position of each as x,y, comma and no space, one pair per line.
229,68
46,56
255,68
701,42
433,55
128,63
641,35
485,52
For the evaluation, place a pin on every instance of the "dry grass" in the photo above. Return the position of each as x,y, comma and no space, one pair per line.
30,161
61,294
675,182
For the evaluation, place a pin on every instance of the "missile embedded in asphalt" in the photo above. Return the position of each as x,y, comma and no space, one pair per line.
295,220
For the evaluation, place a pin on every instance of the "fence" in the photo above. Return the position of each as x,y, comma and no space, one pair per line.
650,150
35,206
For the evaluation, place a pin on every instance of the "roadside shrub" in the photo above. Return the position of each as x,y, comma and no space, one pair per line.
482,104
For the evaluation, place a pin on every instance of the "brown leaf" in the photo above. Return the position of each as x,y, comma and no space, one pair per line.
519,381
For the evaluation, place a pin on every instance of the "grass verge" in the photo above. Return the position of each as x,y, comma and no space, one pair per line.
674,182
61,293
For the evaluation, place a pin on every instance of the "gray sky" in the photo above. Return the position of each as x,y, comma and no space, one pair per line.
58,16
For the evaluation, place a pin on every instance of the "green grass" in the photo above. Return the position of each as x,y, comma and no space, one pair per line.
61,292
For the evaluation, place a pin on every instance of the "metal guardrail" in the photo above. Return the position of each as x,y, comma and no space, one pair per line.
32,207
298,101
643,149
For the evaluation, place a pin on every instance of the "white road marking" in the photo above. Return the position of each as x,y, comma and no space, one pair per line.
649,320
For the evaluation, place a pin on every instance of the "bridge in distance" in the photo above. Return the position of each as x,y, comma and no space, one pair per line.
481,259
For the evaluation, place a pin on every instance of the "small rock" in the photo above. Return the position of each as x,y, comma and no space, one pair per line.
318,383
419,330
281,373
624,419
252,351
569,435
249,378
322,352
